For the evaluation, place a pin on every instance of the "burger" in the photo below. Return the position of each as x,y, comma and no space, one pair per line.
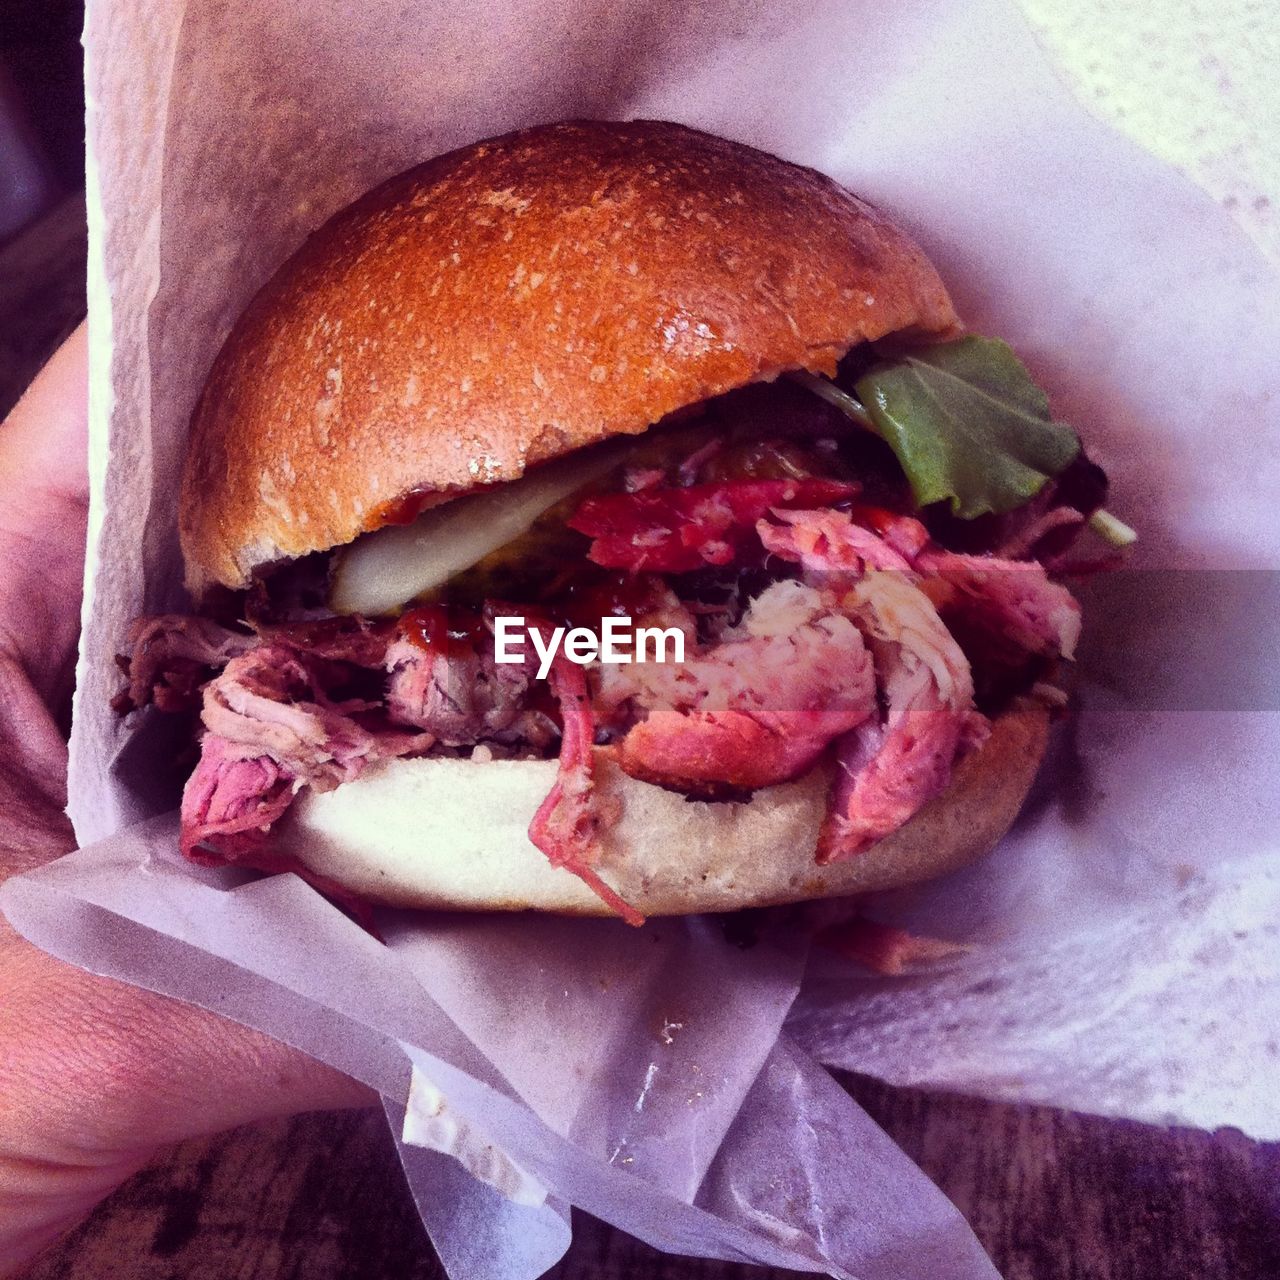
534,403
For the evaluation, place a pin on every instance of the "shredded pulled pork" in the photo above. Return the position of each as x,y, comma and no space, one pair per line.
832,542
461,696
885,772
232,798
1013,599
757,708
273,700
270,729
170,658
884,948
567,824
362,642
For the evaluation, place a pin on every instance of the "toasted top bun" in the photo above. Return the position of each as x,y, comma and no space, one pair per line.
452,834
515,300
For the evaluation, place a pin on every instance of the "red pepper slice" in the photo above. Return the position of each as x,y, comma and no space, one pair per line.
679,530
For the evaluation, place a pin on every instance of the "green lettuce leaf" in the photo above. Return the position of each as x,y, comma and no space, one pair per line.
968,424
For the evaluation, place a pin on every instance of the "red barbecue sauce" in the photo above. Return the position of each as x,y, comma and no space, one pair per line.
402,510
439,629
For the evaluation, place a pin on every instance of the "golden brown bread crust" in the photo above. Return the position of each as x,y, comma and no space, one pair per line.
517,299
451,833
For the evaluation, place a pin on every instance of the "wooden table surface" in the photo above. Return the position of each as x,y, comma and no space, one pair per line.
1052,1196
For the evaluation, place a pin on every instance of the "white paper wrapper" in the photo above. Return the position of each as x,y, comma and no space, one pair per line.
1124,953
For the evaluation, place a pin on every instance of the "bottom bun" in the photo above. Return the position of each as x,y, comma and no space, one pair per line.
452,833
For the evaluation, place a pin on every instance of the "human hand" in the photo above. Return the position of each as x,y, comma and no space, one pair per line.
94,1075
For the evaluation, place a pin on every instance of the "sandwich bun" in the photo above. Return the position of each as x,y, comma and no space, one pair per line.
453,834
506,304
516,300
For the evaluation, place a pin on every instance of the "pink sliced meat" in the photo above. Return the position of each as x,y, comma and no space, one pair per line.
707,753
231,800
885,775
1013,598
568,822
830,542
269,702
462,696
270,729
886,772
857,656
756,709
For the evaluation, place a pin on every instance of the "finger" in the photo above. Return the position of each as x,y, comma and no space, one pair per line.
43,513
44,440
